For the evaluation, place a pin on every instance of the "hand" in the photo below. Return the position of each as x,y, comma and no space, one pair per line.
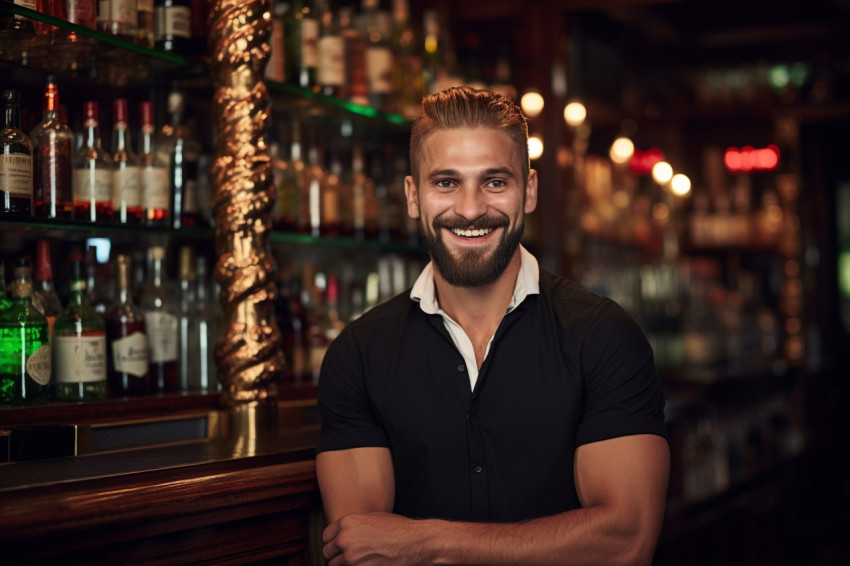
372,539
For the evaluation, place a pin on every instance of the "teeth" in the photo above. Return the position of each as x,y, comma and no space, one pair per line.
472,233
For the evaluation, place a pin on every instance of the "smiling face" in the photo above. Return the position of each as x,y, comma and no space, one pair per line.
471,202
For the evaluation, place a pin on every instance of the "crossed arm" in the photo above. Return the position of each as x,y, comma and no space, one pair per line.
621,483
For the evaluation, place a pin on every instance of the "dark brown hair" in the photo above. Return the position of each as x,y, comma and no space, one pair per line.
465,107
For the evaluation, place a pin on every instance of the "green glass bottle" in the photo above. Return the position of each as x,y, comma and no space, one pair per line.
5,303
80,345
25,361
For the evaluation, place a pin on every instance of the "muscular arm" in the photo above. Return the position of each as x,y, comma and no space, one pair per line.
621,482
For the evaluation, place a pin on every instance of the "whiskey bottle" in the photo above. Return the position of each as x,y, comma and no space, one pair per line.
127,358
183,152
146,34
173,25
15,26
161,322
53,143
25,361
330,68
92,172
208,320
155,189
379,54
15,160
80,345
5,302
356,81
127,173
188,339
119,18
301,33
44,297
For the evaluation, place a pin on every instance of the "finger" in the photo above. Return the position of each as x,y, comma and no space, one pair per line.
331,550
330,532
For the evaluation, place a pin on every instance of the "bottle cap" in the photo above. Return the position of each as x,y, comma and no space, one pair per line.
11,97
146,113
119,110
90,111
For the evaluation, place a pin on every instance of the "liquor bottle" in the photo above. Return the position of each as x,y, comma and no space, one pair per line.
15,160
119,18
291,178
92,172
407,76
5,302
161,322
359,188
301,33
310,218
146,34
127,181
127,357
79,346
53,143
183,153
25,361
188,340
44,297
275,65
379,54
333,189
433,67
156,196
208,320
330,67
173,26
357,83
15,26
98,281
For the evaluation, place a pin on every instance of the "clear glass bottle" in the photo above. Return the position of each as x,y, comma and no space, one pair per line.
44,297
92,172
53,146
80,345
161,322
127,181
155,189
127,355
181,150
208,319
25,359
15,160
188,338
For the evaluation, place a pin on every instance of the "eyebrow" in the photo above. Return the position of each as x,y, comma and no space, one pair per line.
492,171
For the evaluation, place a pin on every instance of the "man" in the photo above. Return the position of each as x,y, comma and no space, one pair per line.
498,414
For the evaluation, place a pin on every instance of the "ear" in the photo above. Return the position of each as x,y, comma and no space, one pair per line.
411,193
531,192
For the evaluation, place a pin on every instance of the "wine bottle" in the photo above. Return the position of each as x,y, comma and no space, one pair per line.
5,302
25,360
330,50
301,33
356,81
155,189
127,173
161,322
44,297
92,172
127,357
80,345
173,25
15,160
53,143
379,54
407,76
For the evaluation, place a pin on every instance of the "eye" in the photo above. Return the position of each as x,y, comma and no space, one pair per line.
497,183
443,183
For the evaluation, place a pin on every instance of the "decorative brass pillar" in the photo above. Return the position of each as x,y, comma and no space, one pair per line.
248,352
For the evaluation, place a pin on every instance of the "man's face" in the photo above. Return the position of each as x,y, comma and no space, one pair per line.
470,202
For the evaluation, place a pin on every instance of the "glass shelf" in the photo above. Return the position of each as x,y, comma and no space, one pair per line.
27,228
346,243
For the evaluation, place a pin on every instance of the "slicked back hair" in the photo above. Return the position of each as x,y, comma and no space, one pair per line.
465,107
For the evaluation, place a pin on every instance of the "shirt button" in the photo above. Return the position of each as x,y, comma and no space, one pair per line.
478,469
461,368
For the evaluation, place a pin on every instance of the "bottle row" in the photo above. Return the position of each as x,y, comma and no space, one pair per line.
144,322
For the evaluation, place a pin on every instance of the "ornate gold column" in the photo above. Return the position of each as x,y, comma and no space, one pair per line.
248,352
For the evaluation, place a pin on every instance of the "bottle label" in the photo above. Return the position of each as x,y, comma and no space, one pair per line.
16,174
82,13
38,365
92,185
162,336
146,6
128,187
174,21
191,204
309,43
125,12
331,64
81,359
155,188
379,69
130,354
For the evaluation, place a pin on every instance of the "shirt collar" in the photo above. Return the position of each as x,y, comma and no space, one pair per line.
527,283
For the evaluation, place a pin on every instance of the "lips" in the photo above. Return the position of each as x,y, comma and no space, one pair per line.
471,233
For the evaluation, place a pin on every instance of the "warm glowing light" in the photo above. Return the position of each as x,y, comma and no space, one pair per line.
661,212
622,150
531,103
535,147
662,172
749,159
575,114
680,184
641,162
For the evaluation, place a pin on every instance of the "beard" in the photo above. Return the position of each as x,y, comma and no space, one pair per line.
472,267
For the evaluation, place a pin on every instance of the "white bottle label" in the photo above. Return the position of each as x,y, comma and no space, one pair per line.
331,68
130,354
16,174
125,12
176,21
379,69
128,187
155,188
309,43
38,365
92,185
80,359
162,336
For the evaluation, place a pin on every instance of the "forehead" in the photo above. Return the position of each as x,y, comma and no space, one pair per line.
458,147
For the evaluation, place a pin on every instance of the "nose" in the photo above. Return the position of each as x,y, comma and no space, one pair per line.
471,203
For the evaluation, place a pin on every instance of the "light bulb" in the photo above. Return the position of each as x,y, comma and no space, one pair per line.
531,103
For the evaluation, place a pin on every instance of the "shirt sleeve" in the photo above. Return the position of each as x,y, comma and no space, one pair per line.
622,392
348,418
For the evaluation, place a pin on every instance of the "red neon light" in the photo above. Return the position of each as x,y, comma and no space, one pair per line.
642,161
749,159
